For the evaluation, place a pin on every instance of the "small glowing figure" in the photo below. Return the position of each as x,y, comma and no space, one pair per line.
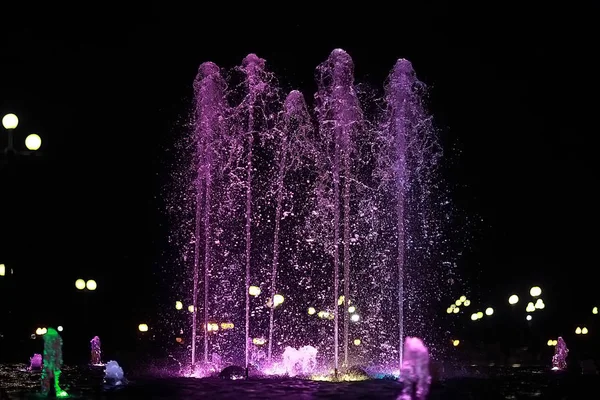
52,363
559,360
96,351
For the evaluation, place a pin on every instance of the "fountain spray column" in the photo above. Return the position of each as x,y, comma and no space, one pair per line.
253,67
341,115
292,148
398,97
209,91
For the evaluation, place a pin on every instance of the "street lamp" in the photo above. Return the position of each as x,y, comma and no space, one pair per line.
33,141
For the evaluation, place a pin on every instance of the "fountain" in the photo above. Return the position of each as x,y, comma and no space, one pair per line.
52,364
96,357
415,370
113,374
328,213
559,359
35,362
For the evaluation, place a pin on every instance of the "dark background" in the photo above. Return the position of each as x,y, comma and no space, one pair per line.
513,91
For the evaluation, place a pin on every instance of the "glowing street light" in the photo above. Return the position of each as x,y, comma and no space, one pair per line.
351,309
535,291
514,299
463,298
91,285
530,307
143,327
479,315
449,310
60,329
2,270
178,305
33,142
584,331
254,291
191,308
355,318
80,284
277,300
357,342
456,310
474,317
528,317
539,304
489,311
467,303
578,331
311,311
455,342
10,122
594,310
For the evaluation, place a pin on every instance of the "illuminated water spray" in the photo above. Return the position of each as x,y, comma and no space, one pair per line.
52,363
330,213
339,116
209,116
293,148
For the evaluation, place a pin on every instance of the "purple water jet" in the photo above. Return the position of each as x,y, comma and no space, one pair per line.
357,182
292,147
339,116
96,351
209,120
559,359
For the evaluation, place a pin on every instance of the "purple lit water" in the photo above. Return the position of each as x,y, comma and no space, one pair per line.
331,207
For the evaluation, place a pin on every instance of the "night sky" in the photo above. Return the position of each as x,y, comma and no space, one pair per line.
513,91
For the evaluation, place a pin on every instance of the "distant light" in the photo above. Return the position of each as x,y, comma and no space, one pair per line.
355,318
467,303
550,342
479,314
489,311
80,284
91,285
2,270
311,311
535,291
528,318
539,304
179,340
143,328
351,309
178,305
456,310
530,307
191,308
341,300
474,317
449,310
554,342
254,291
226,325
10,121
277,300
458,302
594,310
60,329
33,142
39,332
455,342
259,341
514,299
463,298
578,331
357,342
584,331
212,327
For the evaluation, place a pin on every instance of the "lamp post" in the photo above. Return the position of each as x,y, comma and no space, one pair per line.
33,142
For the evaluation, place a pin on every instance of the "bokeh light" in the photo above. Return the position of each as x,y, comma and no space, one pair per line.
33,142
